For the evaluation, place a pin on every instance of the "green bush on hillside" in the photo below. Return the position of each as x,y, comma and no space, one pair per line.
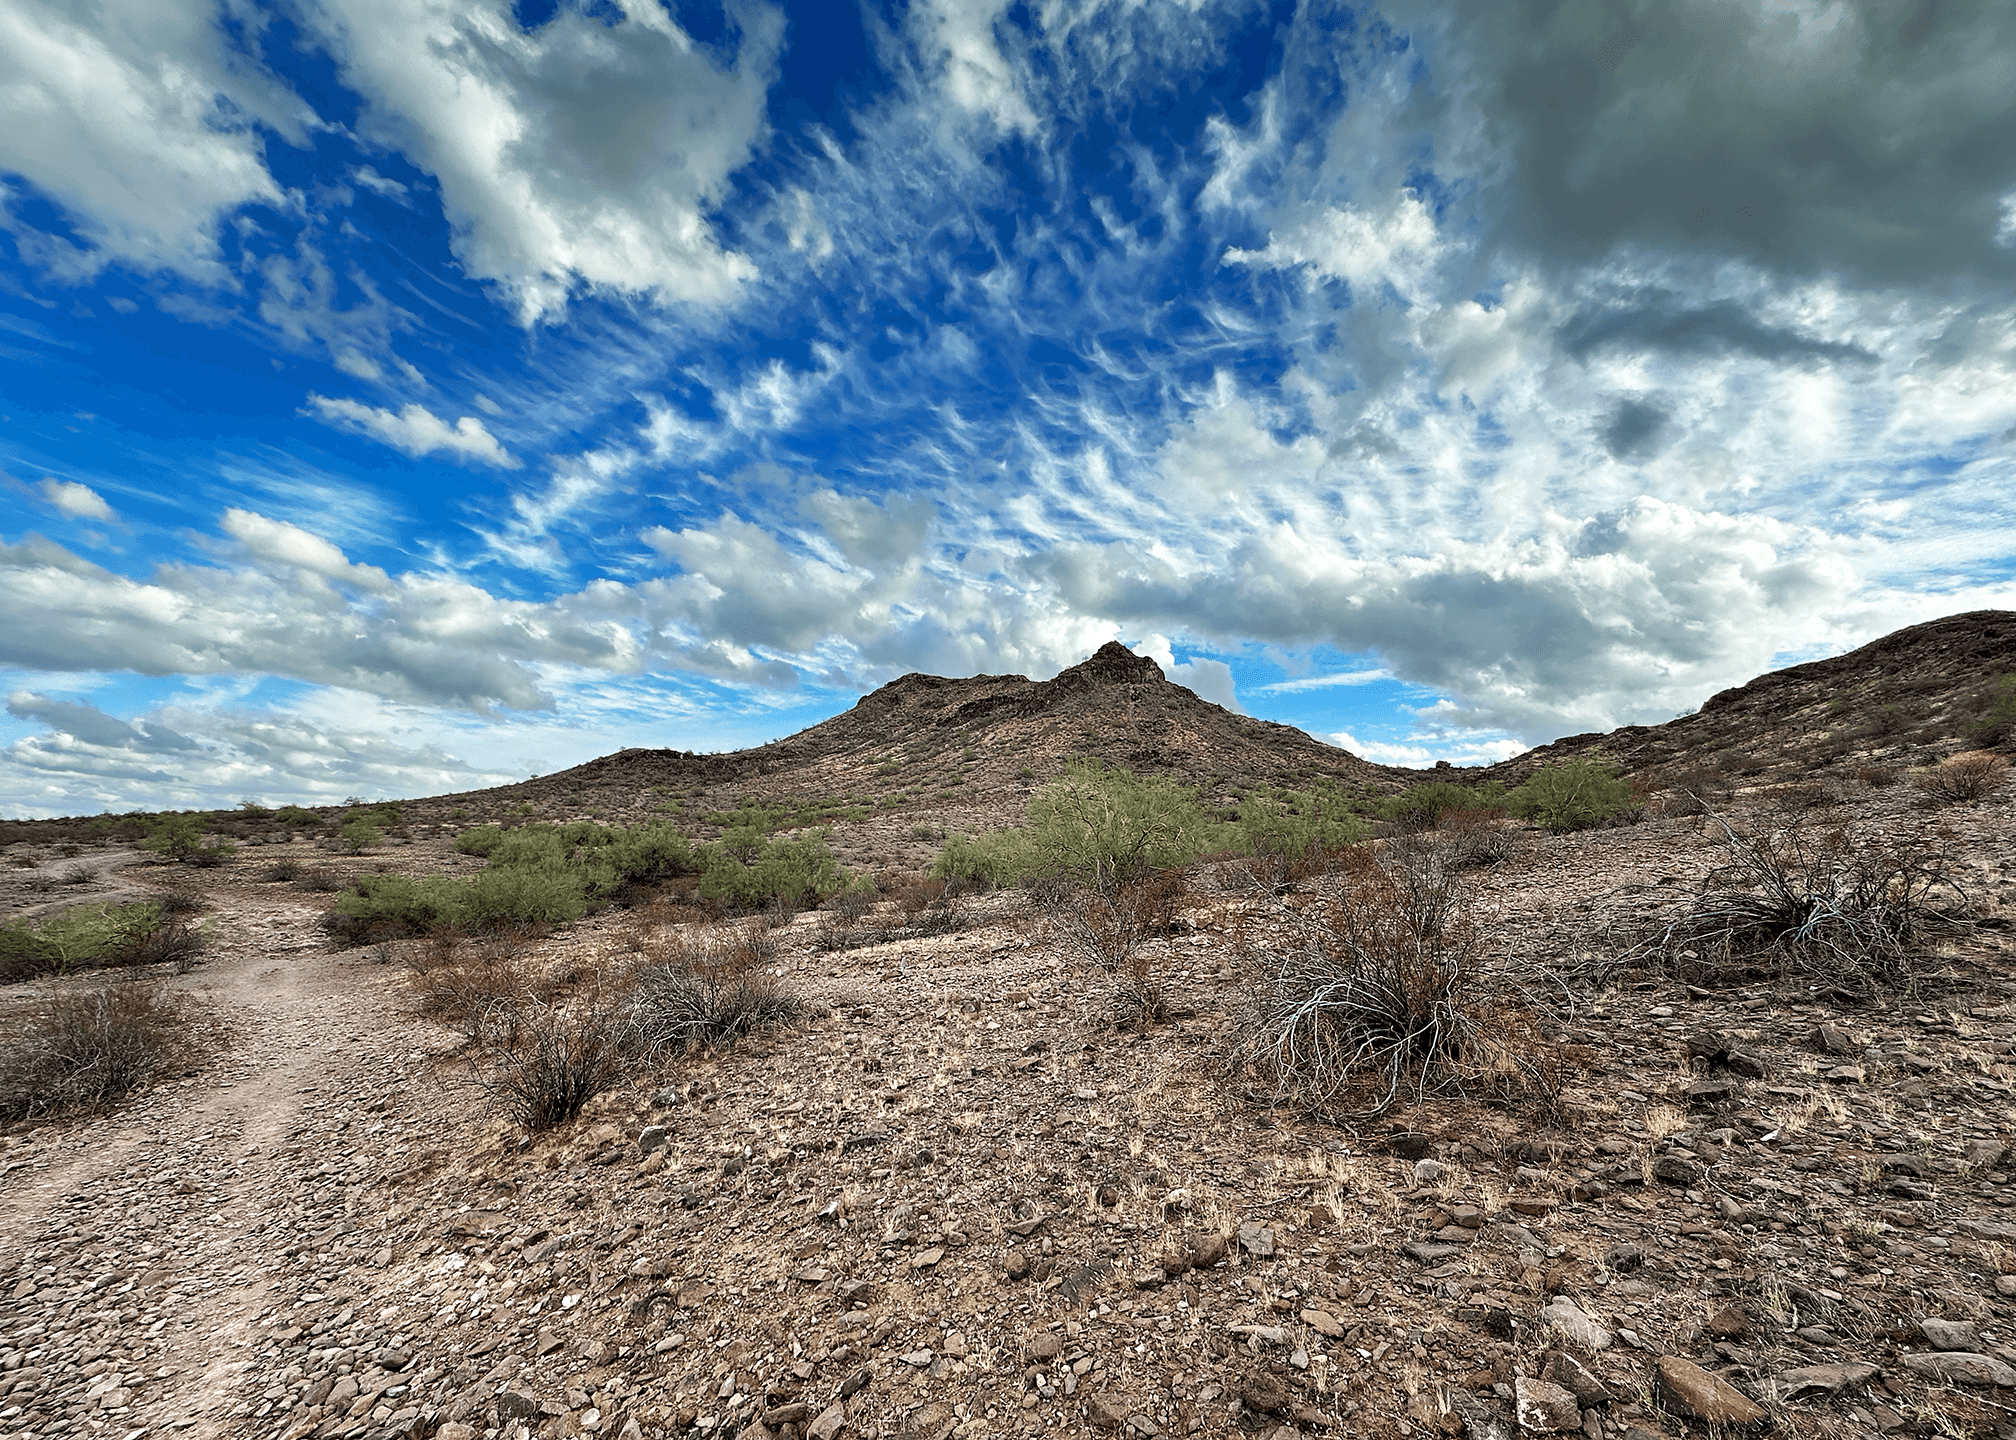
78,938
1294,824
1574,795
1096,824
1424,805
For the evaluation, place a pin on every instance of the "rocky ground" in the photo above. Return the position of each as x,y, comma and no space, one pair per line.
964,1201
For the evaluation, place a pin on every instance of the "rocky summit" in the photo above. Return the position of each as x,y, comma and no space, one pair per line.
978,1182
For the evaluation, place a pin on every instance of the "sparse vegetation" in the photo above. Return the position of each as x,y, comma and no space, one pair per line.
1820,908
1380,996
85,1050
186,840
1962,778
96,937
1995,720
1575,795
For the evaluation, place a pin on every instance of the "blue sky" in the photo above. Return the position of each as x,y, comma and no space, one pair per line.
402,395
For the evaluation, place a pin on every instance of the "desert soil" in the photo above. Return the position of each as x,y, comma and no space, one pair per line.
965,1201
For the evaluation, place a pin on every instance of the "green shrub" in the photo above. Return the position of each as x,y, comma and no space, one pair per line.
1997,718
180,837
1293,824
480,841
78,938
799,869
1574,795
295,817
1425,804
1096,824
360,835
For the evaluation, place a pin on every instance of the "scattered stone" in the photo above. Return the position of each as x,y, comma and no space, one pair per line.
1677,1170
1571,1375
1256,1241
1544,1407
1107,1412
1323,1323
1700,1395
1429,1172
1817,1380
1950,1334
1210,1250
1961,1367
651,1137
1265,1395
1623,1258
1044,1346
832,1420
1575,1326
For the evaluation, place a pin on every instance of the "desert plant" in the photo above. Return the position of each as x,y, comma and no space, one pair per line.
181,838
1876,776
1961,778
360,834
320,879
87,1049
1818,907
555,1060
1379,997
1424,804
91,936
1996,720
284,870
1574,795
706,991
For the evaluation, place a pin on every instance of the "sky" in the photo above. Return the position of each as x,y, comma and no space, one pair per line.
403,396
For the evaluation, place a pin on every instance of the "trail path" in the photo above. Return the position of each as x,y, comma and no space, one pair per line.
136,1253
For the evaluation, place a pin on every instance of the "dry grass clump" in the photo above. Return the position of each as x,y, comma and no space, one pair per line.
1974,775
706,990
1102,928
1816,907
86,1050
478,986
1383,998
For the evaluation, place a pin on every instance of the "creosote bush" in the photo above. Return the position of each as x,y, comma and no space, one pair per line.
1962,778
556,1059
85,937
1815,907
85,1050
701,992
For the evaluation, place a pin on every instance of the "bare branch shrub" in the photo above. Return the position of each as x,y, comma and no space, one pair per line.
1960,778
85,1050
1816,907
1101,930
706,990
557,1059
1381,997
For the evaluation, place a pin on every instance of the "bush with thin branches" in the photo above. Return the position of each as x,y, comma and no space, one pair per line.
1381,996
1813,906
556,1059
704,991
86,1050
1958,779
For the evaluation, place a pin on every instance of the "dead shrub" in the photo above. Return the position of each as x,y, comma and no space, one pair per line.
1102,930
1380,997
1876,776
477,986
285,870
556,1059
1963,778
175,901
1478,838
1815,907
172,942
86,1050
320,879
703,991
1797,798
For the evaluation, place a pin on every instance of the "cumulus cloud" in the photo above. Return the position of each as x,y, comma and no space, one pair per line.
422,638
1204,677
584,151
188,756
75,499
1367,249
415,430
143,122
961,52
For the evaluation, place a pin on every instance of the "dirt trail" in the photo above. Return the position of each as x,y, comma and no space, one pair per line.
145,1243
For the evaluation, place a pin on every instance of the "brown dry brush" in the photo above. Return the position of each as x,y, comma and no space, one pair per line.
85,1050
1815,907
1387,994
1959,779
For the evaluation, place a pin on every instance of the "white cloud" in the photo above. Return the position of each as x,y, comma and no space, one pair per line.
580,152
957,40
1324,682
1396,246
415,430
1421,753
75,499
1206,678
279,543
141,121
417,639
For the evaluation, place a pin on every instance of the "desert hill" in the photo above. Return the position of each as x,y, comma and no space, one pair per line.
985,735
1898,699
